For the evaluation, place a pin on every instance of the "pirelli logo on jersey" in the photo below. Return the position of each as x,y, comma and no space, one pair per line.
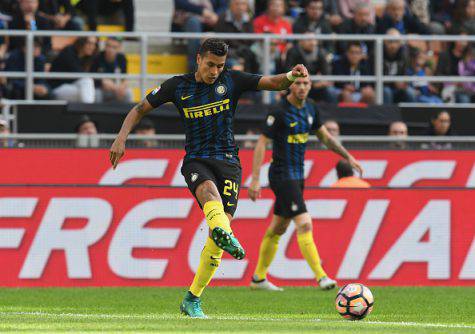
299,138
207,109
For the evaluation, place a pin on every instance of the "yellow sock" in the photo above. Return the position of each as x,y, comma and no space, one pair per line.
209,261
215,216
267,251
310,253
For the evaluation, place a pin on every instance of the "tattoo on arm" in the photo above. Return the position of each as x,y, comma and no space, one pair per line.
140,107
336,147
284,83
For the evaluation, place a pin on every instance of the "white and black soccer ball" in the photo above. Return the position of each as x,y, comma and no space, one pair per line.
354,301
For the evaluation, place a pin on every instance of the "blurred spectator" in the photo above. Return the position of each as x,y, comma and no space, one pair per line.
448,65
61,13
348,8
294,8
396,62
93,8
86,126
466,68
425,91
8,7
422,10
27,17
332,127
396,16
465,16
86,130
111,60
314,20
440,125
353,64
308,53
75,58
238,20
273,22
196,16
441,13
398,129
332,12
5,131
146,128
16,62
3,45
346,178
360,24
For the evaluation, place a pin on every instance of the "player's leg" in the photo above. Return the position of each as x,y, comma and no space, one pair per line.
309,250
267,251
228,184
202,184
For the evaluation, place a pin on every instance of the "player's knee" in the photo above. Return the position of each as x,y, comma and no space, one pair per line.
206,192
304,227
279,230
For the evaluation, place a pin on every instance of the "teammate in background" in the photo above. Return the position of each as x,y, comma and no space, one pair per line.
206,101
346,178
289,127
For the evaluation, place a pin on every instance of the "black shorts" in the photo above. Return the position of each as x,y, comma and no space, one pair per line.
226,176
289,200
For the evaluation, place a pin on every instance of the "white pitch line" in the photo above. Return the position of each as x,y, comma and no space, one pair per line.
234,318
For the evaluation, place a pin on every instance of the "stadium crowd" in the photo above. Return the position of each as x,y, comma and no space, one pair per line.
309,17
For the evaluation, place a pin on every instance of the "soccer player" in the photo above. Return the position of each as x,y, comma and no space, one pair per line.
289,127
206,101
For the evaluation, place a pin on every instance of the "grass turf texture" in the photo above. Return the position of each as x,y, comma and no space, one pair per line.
236,310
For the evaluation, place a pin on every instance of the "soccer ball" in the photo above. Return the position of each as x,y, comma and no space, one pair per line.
354,301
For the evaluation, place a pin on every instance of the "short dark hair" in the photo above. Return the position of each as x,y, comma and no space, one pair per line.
343,169
353,43
215,46
145,124
308,2
113,38
83,120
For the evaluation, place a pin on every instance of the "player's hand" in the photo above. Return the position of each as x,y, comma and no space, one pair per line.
300,71
117,151
254,190
356,165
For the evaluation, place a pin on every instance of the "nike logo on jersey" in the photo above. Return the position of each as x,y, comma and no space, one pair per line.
215,258
230,204
294,124
183,98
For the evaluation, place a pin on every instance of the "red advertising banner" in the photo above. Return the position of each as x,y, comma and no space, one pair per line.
162,167
152,236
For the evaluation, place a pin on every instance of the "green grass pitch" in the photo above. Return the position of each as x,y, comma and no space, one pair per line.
233,310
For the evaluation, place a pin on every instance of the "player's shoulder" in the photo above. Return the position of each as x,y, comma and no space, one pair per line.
279,109
176,79
313,105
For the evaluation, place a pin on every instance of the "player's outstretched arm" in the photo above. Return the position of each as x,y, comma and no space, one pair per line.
259,152
117,149
282,81
331,143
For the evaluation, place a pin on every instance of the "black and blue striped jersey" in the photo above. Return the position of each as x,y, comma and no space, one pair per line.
207,111
289,128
